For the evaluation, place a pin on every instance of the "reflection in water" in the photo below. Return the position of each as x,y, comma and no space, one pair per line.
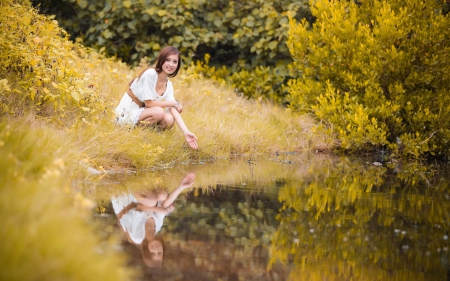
141,217
358,222
339,219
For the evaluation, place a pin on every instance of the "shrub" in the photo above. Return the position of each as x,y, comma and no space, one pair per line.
43,71
376,72
254,31
261,82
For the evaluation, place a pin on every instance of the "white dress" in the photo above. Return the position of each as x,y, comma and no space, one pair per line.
144,88
133,221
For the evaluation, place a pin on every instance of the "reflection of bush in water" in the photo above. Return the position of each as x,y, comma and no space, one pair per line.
353,220
224,233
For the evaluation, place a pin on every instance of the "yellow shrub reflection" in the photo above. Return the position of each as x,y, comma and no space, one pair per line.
358,221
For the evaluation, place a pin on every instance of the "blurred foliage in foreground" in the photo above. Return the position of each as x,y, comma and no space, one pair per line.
44,233
376,73
249,37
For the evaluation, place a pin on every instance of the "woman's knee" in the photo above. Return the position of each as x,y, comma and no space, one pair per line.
167,122
168,118
155,114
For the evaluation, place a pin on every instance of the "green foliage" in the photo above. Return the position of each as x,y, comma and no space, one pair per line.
376,72
261,82
254,31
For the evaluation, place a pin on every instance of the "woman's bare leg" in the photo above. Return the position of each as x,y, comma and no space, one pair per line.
167,122
151,116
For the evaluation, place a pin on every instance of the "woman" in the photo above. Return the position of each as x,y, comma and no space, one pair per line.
149,99
141,216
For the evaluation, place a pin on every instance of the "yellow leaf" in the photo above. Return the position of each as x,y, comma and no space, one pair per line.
37,40
127,4
75,96
273,45
161,13
150,11
55,85
33,62
46,90
27,20
32,93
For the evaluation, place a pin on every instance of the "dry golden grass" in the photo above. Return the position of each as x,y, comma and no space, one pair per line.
225,124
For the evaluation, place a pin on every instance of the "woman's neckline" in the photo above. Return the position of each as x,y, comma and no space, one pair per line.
165,86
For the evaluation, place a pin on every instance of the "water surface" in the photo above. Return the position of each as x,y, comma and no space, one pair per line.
294,217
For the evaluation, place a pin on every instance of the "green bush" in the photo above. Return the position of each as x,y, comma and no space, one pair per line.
254,31
376,72
261,82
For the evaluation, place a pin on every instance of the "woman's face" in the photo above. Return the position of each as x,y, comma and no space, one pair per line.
156,250
170,64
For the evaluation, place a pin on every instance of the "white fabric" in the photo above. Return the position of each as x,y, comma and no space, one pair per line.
144,88
133,221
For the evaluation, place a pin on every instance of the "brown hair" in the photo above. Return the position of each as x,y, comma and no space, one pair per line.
147,257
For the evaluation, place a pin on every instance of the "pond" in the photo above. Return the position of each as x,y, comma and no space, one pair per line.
291,217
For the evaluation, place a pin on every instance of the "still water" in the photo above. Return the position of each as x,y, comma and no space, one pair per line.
292,217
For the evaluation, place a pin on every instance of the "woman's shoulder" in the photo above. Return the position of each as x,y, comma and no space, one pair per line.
151,73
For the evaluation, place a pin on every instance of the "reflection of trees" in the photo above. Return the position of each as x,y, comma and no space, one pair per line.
354,221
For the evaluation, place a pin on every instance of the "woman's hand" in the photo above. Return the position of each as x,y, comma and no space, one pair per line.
191,139
188,180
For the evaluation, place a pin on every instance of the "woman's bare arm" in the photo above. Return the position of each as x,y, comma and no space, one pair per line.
154,103
190,137
164,210
187,181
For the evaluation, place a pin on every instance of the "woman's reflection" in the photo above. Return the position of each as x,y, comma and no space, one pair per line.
141,216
